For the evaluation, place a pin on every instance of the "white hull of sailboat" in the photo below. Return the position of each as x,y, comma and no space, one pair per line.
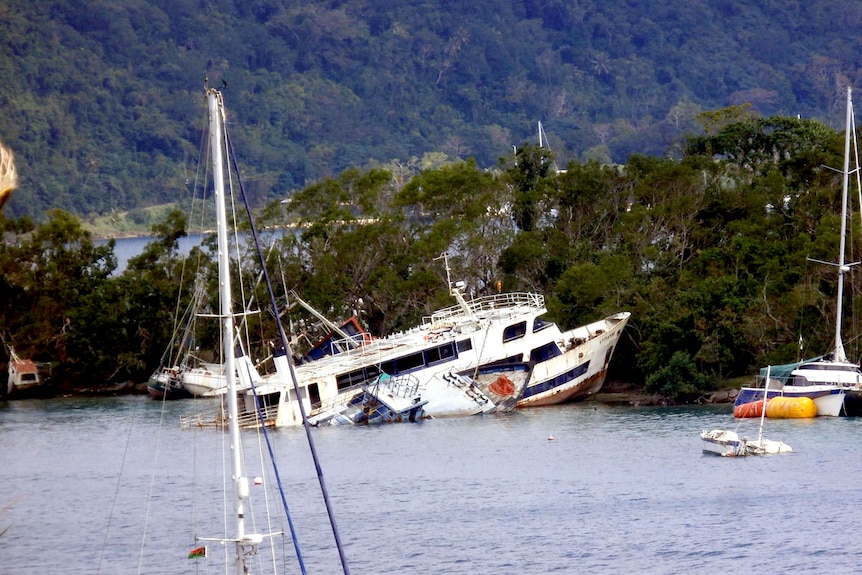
828,398
729,444
204,381
830,405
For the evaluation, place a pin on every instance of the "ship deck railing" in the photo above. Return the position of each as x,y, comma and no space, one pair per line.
250,419
441,319
405,385
199,420
488,303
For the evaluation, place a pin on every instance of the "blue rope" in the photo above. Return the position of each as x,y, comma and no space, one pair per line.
293,535
284,342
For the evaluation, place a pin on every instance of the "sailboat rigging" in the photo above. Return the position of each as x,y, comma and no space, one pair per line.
832,381
246,542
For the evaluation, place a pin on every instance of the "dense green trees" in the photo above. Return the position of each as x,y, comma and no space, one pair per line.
102,101
708,251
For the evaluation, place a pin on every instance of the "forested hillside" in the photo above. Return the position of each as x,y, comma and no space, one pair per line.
715,254
102,100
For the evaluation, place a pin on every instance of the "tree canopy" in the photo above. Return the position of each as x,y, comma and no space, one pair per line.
709,252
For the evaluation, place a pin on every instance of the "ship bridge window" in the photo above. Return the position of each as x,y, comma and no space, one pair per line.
440,353
465,345
408,362
545,352
539,324
514,331
430,356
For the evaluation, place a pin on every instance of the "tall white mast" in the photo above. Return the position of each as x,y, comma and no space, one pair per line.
843,268
240,482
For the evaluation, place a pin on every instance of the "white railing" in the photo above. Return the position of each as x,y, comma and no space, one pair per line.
250,418
402,385
198,420
488,303
343,398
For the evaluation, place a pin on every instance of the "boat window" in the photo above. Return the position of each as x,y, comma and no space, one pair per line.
408,362
356,377
799,380
539,324
515,331
545,352
268,399
432,355
440,353
465,345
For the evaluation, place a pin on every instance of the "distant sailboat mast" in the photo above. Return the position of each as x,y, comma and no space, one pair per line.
839,355
543,143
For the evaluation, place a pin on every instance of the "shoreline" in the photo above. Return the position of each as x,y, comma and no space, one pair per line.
627,395
612,394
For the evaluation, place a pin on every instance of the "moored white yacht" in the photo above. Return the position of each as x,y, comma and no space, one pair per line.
832,381
824,381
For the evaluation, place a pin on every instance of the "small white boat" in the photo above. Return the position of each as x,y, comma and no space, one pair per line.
729,444
388,400
205,380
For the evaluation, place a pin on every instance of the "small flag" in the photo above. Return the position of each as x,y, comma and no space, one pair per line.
197,553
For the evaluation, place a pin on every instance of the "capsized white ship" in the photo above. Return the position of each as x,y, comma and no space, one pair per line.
493,329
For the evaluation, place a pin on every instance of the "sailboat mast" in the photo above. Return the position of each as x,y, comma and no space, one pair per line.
240,483
840,354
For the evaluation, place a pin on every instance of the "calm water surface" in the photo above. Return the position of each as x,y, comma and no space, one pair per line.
115,486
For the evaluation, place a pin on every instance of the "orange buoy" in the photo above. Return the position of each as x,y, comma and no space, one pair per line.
790,408
750,409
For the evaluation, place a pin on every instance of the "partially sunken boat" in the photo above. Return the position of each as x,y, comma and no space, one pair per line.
729,444
24,379
446,356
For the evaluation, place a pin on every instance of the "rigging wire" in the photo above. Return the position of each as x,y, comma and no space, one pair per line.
284,342
229,147
114,499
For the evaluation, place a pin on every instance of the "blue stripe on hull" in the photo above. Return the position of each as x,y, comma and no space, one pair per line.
555,382
750,394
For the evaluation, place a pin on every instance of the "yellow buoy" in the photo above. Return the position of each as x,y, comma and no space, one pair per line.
790,408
